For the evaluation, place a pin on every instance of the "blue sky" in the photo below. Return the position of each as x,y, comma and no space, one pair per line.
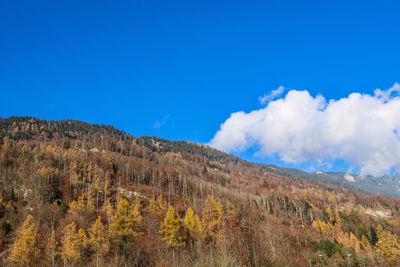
178,69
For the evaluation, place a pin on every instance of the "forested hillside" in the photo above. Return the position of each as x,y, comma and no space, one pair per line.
79,194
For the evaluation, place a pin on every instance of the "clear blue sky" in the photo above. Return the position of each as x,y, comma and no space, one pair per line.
178,69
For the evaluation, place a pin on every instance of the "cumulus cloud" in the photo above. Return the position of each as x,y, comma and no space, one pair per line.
385,95
272,95
361,129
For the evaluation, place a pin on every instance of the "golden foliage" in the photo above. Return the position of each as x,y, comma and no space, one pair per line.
338,218
74,177
365,242
330,214
388,246
323,227
193,225
355,243
79,206
127,218
311,204
158,206
74,245
98,238
172,230
24,249
67,252
46,172
213,218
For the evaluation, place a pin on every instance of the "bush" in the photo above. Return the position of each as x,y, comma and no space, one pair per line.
329,247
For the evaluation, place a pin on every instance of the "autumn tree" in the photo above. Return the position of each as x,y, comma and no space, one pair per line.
78,206
98,239
81,209
81,246
193,225
126,222
75,245
127,218
172,230
158,206
323,227
24,250
213,218
388,246
365,242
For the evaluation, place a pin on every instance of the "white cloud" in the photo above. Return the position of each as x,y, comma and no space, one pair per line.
361,129
272,95
161,123
386,94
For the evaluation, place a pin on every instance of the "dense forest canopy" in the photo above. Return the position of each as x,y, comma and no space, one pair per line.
80,194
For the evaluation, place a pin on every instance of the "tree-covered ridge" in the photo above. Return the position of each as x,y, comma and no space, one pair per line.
163,146
25,128
99,200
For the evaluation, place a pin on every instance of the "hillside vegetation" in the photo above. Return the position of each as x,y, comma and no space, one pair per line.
79,194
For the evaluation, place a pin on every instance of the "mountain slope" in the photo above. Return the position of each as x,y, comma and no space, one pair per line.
388,185
163,203
23,128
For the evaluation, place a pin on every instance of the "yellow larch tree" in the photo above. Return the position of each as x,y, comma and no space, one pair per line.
323,227
388,246
75,245
81,246
158,206
355,243
67,251
126,222
6,143
127,218
172,230
213,218
78,206
365,242
24,250
81,208
98,239
193,225
330,214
